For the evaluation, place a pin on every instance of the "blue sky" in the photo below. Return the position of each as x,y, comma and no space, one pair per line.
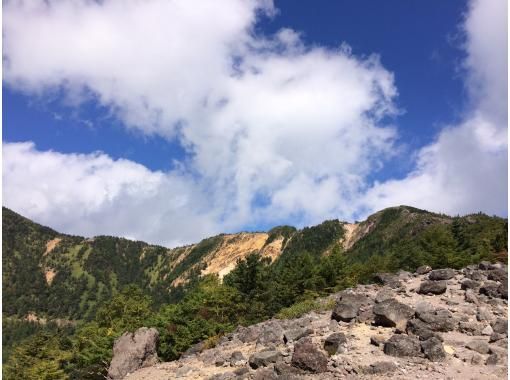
146,132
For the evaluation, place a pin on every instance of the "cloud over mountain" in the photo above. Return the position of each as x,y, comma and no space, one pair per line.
274,129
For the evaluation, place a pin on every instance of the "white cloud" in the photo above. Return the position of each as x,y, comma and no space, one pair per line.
259,116
465,169
93,194
274,129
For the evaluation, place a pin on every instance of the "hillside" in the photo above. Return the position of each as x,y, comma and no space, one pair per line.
56,275
397,330
67,298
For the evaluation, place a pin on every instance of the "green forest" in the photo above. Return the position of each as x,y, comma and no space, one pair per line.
106,286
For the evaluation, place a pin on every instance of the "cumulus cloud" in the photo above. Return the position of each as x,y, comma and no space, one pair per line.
274,130
465,169
92,194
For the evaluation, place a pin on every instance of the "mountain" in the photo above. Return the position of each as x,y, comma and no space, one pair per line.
67,298
54,275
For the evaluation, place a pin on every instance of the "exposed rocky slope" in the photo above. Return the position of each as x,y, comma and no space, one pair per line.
54,275
441,324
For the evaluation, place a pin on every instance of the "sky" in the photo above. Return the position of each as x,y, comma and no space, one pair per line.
171,121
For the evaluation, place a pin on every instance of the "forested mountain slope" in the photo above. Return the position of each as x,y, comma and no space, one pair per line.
58,275
84,293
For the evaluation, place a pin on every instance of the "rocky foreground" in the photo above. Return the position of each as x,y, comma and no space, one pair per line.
440,324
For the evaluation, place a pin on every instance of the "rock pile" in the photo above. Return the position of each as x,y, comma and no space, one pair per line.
433,324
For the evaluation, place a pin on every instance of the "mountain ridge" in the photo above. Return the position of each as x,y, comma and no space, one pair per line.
103,264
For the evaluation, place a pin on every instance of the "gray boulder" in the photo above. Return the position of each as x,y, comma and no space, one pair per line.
433,349
307,357
388,279
377,340
132,351
348,306
498,275
471,297
237,359
264,358
493,289
420,329
402,346
380,367
471,327
478,345
296,334
475,275
424,269
432,287
438,320
391,313
384,294
344,312
265,374
469,284
497,356
272,333
335,343
500,326
442,274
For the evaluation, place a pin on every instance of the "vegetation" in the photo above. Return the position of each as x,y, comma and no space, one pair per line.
99,284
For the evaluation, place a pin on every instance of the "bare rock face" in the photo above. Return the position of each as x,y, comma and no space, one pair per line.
392,313
133,351
308,357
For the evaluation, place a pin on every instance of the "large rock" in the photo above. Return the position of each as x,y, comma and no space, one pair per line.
388,279
391,313
500,326
380,367
335,343
424,269
478,345
433,349
402,346
438,320
384,294
132,351
248,334
432,287
494,289
469,284
272,333
307,357
344,312
471,327
296,334
348,305
442,274
237,359
499,275
421,329
264,358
